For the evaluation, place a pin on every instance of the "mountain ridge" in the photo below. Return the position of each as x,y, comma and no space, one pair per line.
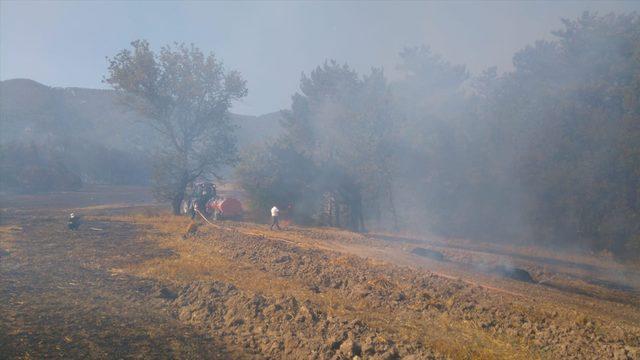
30,110
81,135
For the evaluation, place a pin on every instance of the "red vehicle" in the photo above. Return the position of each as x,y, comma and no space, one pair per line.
225,209
204,199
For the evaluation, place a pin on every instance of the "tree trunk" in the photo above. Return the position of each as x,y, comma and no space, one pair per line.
175,204
357,213
336,203
179,194
394,213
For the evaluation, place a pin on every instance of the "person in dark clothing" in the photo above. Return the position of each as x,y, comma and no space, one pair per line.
74,222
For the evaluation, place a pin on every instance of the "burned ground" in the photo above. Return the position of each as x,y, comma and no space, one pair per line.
128,284
59,299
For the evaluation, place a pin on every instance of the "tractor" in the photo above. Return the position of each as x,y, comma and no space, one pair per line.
204,199
199,195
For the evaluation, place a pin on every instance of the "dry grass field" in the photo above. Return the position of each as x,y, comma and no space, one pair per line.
133,283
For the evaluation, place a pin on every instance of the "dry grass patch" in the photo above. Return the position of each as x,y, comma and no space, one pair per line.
200,258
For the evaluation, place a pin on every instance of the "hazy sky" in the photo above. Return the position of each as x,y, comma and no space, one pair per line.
271,43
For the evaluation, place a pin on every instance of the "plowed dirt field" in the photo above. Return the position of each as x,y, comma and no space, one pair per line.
130,283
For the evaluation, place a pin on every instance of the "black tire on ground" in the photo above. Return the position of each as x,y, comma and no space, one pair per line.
514,273
431,254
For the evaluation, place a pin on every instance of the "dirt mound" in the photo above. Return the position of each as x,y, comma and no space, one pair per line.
377,296
280,327
420,295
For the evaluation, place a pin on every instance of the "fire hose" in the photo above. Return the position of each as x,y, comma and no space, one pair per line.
203,217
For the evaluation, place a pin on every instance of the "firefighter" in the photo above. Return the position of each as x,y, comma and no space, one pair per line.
74,222
275,213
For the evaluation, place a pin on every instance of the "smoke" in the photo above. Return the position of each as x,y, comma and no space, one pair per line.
513,133
536,155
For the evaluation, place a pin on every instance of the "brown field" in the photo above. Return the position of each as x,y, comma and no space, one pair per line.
130,284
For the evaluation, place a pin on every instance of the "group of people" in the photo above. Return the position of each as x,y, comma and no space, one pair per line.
74,221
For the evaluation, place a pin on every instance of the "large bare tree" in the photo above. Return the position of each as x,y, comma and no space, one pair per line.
184,95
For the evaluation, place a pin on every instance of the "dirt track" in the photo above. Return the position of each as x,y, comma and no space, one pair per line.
136,288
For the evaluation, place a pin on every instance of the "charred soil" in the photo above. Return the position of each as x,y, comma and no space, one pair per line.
128,283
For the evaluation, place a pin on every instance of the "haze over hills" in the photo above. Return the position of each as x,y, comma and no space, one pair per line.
44,125
30,110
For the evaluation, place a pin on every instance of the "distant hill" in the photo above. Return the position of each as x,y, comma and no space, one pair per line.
33,111
86,132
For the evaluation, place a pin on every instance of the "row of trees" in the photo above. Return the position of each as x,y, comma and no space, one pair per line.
66,164
547,152
32,168
335,152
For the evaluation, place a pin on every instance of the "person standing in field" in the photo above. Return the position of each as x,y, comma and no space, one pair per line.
275,213
74,222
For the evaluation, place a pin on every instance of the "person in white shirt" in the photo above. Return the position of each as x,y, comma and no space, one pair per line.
275,212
